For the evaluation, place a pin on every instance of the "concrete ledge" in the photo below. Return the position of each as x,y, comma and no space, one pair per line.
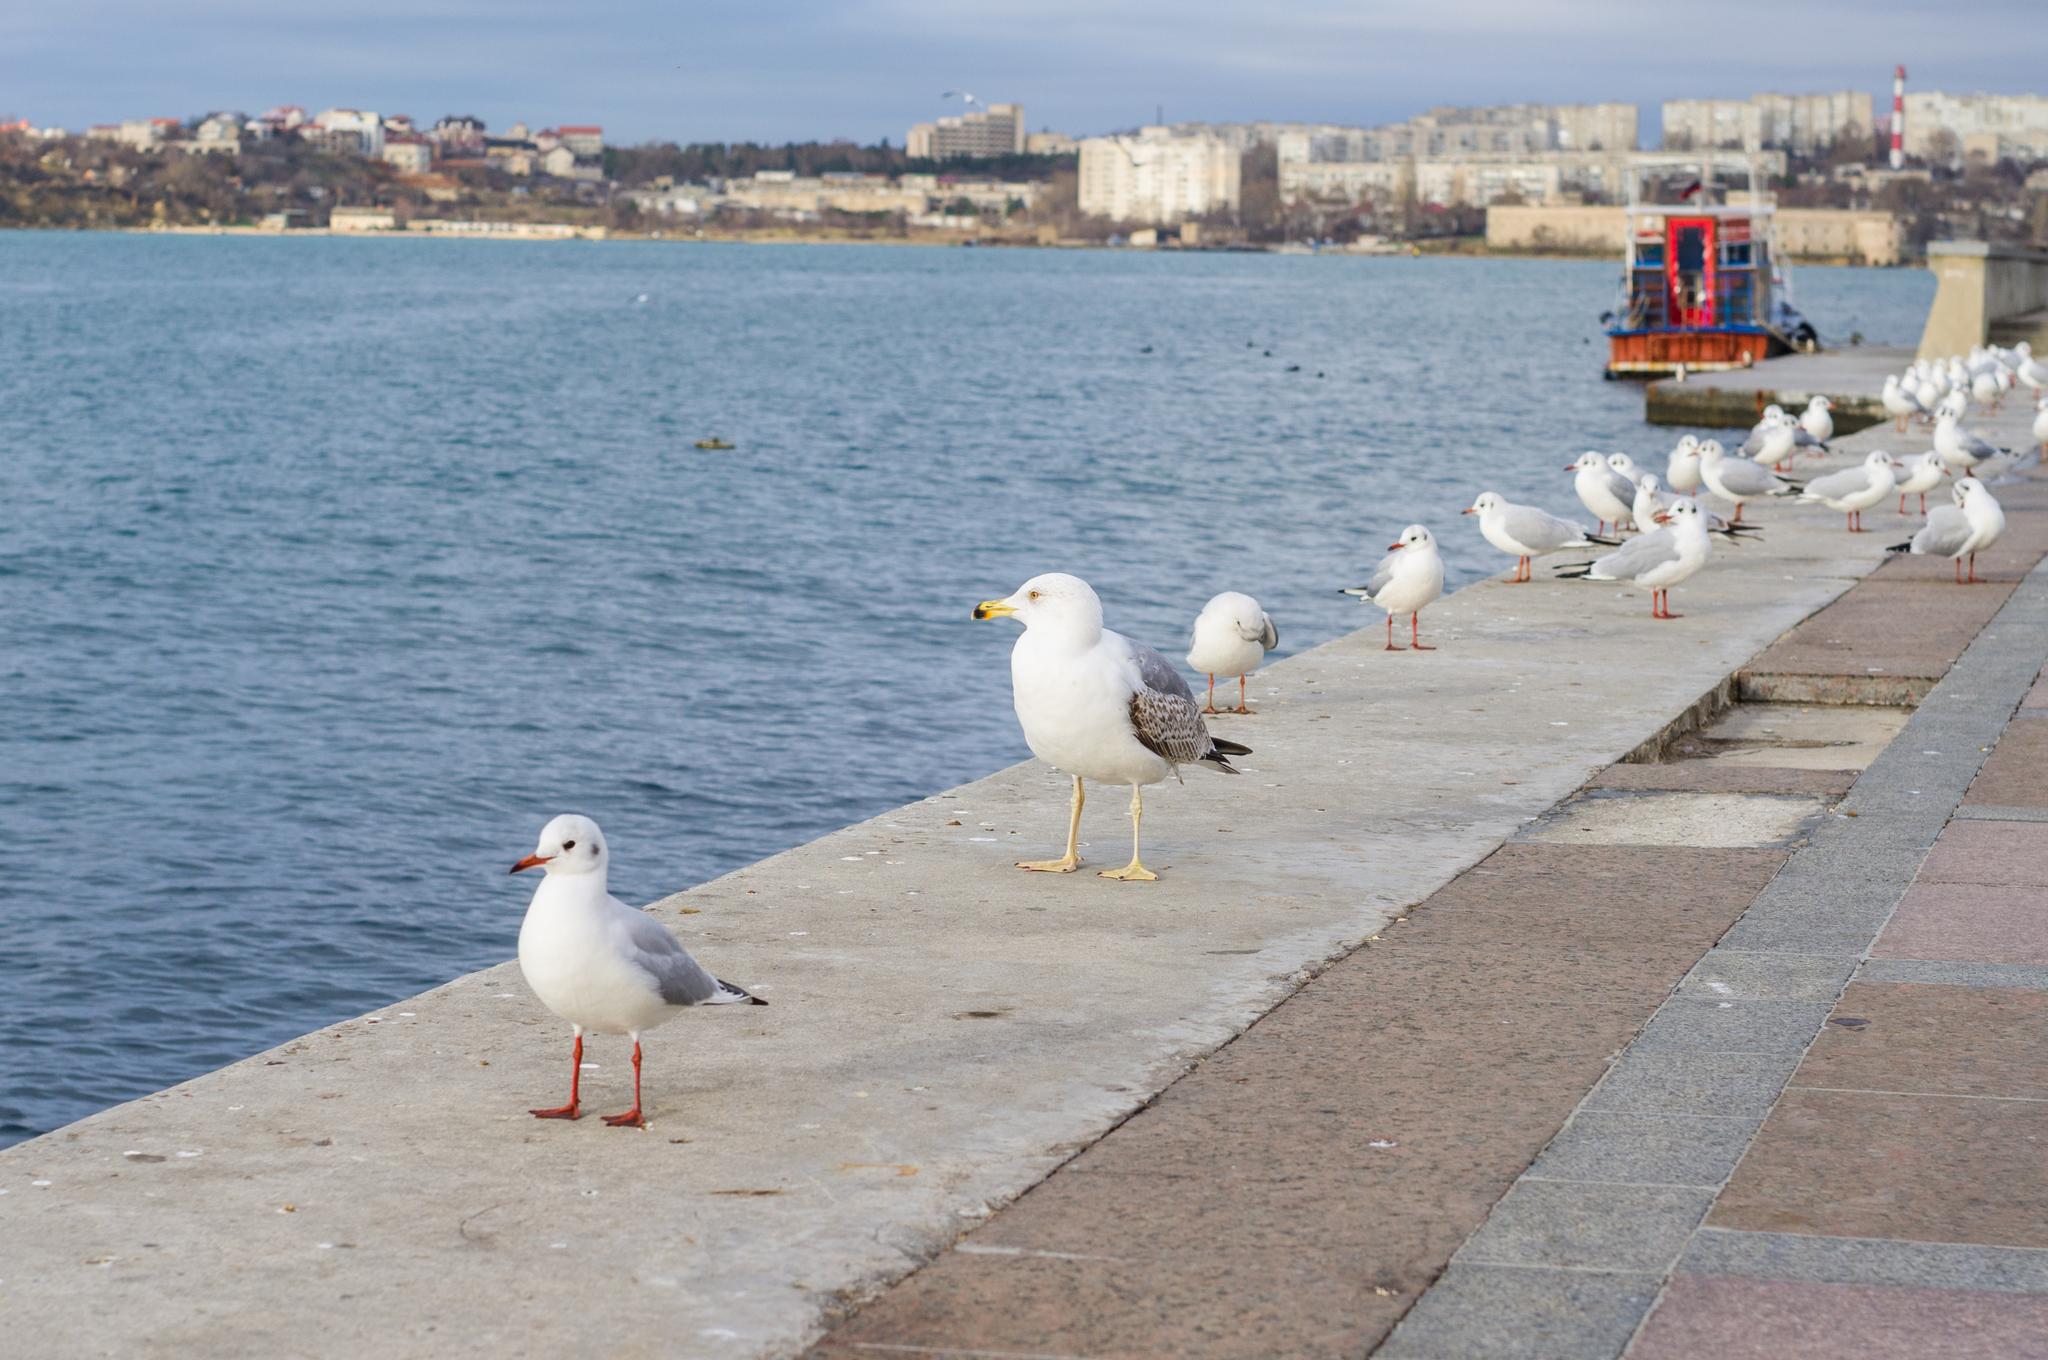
1851,379
1784,687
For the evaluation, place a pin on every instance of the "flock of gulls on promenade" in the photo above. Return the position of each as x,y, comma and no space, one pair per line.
1098,705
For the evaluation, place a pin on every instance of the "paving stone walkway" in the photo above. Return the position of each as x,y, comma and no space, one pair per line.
1786,1098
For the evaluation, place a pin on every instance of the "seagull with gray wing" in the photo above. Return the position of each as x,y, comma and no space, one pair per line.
1099,705
1529,531
597,962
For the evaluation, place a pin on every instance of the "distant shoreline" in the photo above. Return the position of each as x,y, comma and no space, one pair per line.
1456,248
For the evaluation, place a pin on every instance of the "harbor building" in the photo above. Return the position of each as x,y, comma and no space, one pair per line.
1799,123
1158,175
1966,127
997,130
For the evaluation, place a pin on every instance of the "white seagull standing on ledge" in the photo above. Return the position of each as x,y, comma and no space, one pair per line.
1232,637
1095,703
597,962
1410,576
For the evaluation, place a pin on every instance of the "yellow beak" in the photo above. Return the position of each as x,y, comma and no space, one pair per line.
993,609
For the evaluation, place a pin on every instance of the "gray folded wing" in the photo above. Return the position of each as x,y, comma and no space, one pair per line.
1946,531
1157,672
1836,485
1541,530
1971,444
1754,445
1169,725
1638,555
1741,475
1269,635
680,979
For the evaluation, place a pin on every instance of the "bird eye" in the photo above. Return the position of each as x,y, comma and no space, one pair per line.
1034,594
568,845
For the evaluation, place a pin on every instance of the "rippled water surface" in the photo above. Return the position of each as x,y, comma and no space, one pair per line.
330,569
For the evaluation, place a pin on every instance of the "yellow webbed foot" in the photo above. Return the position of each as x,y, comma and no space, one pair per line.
1133,871
1066,865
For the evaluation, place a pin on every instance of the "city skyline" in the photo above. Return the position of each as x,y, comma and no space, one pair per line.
866,72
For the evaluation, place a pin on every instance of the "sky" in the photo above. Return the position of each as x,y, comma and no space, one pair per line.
801,70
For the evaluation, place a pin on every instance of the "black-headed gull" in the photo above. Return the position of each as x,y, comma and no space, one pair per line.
2040,430
1959,448
1527,531
1682,468
1854,489
1922,473
1737,479
1410,576
1232,636
1817,421
1899,402
1602,490
597,962
1099,705
1961,530
1659,559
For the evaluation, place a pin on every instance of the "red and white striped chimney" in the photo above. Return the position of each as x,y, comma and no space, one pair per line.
1899,118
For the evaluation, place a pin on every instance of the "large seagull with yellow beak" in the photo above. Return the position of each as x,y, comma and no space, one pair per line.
1098,705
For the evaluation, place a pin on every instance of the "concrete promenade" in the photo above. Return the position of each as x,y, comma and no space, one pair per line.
1374,1160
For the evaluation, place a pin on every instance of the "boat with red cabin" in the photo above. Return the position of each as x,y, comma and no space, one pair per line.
1703,288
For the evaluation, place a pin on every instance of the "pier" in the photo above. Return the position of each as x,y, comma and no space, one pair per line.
1475,1017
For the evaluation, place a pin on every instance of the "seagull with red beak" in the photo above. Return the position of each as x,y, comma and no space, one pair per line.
597,962
1407,578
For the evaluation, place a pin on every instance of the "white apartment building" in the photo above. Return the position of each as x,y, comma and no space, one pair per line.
367,129
1799,123
1158,175
409,155
997,130
1994,127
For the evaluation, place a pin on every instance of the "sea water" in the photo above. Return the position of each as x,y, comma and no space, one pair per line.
331,569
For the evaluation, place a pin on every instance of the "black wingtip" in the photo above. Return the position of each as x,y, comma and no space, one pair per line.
1578,573
1228,748
1900,547
756,1001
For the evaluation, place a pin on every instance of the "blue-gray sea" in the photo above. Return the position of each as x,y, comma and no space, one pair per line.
330,569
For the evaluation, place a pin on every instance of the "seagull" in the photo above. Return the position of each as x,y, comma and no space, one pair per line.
1602,490
1099,705
1854,489
1682,469
1232,637
1651,498
2041,423
1407,578
1527,531
1772,441
1626,466
1958,447
1659,559
597,962
1899,402
2029,369
1816,421
1738,479
1986,388
1968,527
1924,472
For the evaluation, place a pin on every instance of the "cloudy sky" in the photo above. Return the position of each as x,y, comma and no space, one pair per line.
866,69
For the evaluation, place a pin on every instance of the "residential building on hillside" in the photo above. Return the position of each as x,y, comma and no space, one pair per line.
148,132
458,137
585,139
1803,124
997,130
1990,127
350,131
1159,175
1048,144
409,154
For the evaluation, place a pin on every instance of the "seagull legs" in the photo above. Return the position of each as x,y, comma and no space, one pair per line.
1241,707
1415,633
575,1081
631,1119
1067,863
1521,571
1660,605
1212,697
1133,870
1973,579
1390,634
1856,523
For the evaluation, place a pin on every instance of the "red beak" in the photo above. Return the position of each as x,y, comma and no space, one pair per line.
1392,546
1469,510
530,861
